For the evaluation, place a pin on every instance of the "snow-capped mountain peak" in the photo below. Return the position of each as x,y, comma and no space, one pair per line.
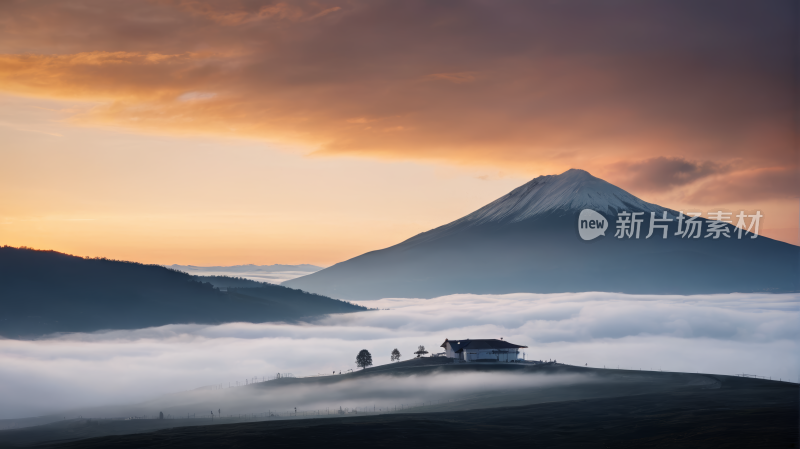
528,241
572,190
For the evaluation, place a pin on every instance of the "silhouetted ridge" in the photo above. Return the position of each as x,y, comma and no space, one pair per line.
48,291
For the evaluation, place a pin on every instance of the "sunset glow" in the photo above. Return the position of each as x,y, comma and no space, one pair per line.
235,132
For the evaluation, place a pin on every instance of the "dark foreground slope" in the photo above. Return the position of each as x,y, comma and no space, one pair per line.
746,417
616,408
47,291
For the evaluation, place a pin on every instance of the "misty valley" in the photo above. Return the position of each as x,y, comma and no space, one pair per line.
399,224
532,334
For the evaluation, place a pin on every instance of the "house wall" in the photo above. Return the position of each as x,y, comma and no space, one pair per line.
488,354
511,355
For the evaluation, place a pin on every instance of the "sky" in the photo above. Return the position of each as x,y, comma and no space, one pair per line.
719,334
234,132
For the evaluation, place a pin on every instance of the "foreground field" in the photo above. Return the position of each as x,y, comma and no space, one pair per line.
616,408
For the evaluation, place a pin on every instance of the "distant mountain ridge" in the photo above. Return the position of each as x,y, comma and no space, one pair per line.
47,292
527,241
273,274
247,268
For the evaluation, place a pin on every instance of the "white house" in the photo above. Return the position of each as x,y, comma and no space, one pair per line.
482,350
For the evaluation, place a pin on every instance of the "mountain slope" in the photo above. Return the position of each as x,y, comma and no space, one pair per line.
528,241
47,291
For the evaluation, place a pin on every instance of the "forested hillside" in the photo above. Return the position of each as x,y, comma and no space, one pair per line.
46,291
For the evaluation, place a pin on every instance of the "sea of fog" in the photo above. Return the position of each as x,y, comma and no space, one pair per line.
724,334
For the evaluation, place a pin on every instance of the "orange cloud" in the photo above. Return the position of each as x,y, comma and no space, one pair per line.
102,75
529,87
457,78
231,13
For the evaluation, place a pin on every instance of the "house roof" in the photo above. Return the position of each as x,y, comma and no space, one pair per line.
459,345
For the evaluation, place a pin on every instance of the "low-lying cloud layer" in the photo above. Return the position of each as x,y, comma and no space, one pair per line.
727,334
379,393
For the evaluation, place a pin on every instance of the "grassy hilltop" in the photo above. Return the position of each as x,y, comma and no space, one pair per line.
572,407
